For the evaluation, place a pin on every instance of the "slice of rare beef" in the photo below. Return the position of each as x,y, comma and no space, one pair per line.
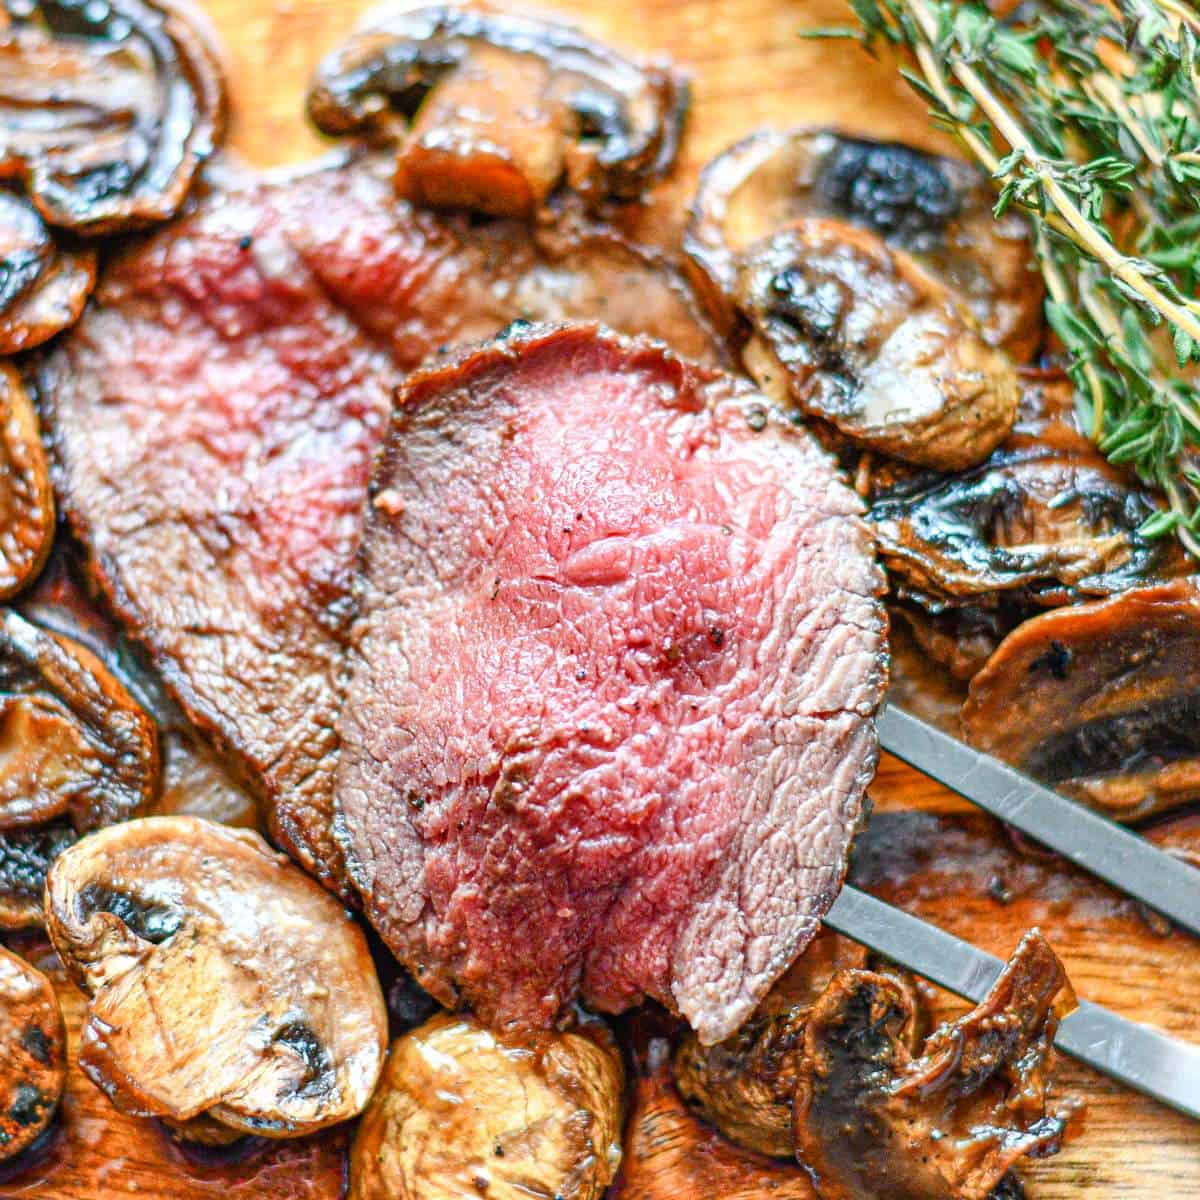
610,711
213,416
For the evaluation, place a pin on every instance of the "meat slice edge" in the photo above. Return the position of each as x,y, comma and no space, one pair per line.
609,720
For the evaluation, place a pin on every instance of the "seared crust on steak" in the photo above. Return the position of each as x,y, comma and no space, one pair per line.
610,715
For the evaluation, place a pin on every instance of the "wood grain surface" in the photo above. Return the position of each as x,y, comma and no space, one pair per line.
748,69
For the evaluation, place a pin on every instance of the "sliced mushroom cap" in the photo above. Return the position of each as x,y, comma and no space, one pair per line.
43,288
1101,700
864,338
76,746
873,1121
222,980
1045,521
935,209
464,1112
106,109
501,109
26,498
33,1053
745,1085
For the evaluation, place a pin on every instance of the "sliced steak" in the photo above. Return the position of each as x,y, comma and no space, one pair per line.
609,719
213,417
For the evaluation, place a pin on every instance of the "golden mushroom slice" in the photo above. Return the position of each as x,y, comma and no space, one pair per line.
863,337
33,1054
26,498
222,980
43,287
77,747
77,752
463,1112
106,109
495,110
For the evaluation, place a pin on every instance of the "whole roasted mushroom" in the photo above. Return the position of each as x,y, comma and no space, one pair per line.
869,284
222,980
871,1120
745,1085
26,498
43,287
33,1054
106,109
1101,700
495,111
462,1111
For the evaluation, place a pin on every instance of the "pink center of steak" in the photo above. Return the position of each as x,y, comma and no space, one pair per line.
214,414
608,728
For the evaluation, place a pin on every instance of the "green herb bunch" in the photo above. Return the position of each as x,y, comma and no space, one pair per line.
1087,114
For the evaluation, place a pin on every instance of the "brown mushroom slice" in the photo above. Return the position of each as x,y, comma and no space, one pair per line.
937,210
1100,700
74,744
873,1121
462,1112
501,109
745,1085
33,1054
222,980
43,288
26,498
864,338
1045,521
106,110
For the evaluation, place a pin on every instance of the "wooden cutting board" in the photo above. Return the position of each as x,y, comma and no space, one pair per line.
748,69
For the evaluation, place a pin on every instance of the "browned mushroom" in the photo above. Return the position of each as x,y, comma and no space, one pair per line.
873,1121
77,747
1100,700
745,1084
194,779
869,284
937,210
863,337
106,110
1046,515
222,980
462,1111
26,499
33,1053
501,109
1044,522
76,752
43,287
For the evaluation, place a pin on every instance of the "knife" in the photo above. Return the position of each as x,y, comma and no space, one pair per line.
1141,1057
1127,861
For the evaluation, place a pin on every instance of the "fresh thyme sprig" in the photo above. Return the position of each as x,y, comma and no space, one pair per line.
1087,115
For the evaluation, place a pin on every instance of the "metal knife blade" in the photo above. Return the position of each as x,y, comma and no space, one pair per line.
1127,861
1137,1055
